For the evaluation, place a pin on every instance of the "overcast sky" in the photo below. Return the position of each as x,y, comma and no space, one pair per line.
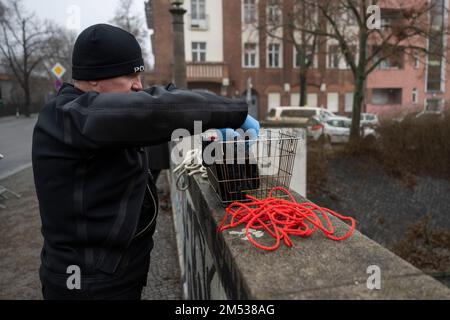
65,13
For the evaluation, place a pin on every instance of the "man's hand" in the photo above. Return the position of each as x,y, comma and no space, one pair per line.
250,128
251,125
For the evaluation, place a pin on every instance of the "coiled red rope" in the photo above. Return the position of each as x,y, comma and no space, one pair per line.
282,219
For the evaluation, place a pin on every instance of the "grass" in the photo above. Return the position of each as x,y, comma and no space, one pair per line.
424,247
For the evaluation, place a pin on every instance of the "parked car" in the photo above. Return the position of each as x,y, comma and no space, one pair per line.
369,120
299,115
314,128
337,130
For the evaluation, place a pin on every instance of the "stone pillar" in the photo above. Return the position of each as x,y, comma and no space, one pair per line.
179,59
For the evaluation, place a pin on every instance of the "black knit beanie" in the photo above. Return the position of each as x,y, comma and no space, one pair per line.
103,51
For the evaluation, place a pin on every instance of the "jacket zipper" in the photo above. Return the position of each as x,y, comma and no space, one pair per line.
155,205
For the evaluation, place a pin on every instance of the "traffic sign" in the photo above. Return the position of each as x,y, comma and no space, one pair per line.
58,70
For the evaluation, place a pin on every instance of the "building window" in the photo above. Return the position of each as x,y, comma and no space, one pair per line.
353,49
348,102
436,46
434,68
310,57
336,58
296,58
434,73
387,96
333,57
274,55
351,19
198,51
416,60
198,9
274,99
250,54
333,101
390,17
274,12
393,62
249,11
415,96
198,14
395,58
295,99
311,100
434,105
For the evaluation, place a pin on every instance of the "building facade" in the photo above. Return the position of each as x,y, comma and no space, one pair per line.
228,54
414,81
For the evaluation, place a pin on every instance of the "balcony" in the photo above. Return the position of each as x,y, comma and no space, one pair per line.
207,72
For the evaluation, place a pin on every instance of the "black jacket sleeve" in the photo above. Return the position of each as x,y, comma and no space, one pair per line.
148,117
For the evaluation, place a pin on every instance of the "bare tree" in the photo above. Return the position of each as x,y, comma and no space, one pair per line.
22,39
133,23
287,21
2,10
405,29
58,49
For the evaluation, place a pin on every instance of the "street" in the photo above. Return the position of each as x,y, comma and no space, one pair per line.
15,143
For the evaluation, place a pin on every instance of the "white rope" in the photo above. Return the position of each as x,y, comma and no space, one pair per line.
191,164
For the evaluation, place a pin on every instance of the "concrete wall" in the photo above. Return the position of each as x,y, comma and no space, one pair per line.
226,266
198,271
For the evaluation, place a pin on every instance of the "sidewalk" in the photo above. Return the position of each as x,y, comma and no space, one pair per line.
164,279
21,242
15,144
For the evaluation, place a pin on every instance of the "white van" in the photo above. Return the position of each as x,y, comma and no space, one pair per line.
369,120
299,115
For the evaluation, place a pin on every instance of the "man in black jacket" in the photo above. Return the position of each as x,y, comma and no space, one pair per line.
97,200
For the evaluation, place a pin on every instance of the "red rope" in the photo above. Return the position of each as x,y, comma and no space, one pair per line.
282,219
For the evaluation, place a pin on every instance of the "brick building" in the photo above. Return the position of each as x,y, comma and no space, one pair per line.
227,54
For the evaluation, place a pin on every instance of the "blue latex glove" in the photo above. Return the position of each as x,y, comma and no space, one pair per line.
250,127
227,134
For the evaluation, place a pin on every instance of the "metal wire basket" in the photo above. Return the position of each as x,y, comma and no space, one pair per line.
251,167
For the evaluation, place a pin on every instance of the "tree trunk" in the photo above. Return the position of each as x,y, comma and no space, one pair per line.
358,100
303,87
360,78
26,75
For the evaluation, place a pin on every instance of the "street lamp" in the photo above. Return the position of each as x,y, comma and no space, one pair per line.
176,3
179,60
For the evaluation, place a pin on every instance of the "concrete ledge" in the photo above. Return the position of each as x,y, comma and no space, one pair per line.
224,266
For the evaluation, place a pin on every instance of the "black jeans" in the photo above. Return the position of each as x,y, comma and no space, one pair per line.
50,293
128,287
